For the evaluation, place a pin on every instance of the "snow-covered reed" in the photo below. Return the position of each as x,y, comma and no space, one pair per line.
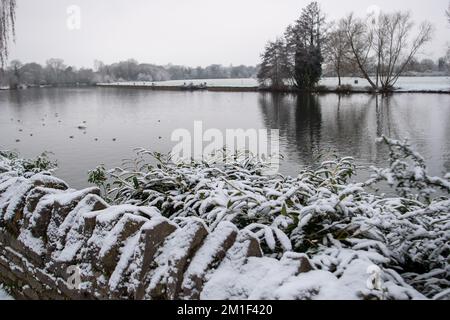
10,161
320,212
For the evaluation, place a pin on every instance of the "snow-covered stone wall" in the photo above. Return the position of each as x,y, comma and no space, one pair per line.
61,243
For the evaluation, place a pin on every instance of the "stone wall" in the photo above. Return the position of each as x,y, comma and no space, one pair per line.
60,243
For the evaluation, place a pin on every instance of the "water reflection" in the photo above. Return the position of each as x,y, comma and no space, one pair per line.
313,125
310,125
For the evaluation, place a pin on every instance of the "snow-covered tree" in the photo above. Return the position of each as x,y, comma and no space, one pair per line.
337,51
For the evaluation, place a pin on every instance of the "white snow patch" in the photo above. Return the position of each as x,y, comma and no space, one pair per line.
4,295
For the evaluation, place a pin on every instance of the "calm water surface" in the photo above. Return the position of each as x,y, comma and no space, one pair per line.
309,125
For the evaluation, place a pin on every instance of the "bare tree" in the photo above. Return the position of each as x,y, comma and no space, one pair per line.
360,42
55,68
337,51
7,27
393,49
385,47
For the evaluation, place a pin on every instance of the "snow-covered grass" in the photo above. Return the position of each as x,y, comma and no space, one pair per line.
319,212
27,167
244,83
403,84
438,83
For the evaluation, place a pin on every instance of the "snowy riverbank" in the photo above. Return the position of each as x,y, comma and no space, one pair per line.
405,84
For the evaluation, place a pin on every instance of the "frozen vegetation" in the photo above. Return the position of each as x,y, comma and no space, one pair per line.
405,84
320,212
234,233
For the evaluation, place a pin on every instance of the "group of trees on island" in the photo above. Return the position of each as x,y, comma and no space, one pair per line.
56,73
297,57
380,48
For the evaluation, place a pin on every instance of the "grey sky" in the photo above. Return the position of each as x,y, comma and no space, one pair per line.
189,32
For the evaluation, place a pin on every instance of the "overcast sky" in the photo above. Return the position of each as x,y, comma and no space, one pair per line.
188,32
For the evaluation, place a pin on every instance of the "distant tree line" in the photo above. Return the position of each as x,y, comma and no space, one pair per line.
131,70
56,73
380,48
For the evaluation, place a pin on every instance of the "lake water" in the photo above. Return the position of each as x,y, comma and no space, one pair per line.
309,125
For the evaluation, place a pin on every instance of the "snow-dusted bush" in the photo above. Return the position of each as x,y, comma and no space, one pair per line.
10,161
319,212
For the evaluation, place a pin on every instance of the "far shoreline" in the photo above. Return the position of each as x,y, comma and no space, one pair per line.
319,90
